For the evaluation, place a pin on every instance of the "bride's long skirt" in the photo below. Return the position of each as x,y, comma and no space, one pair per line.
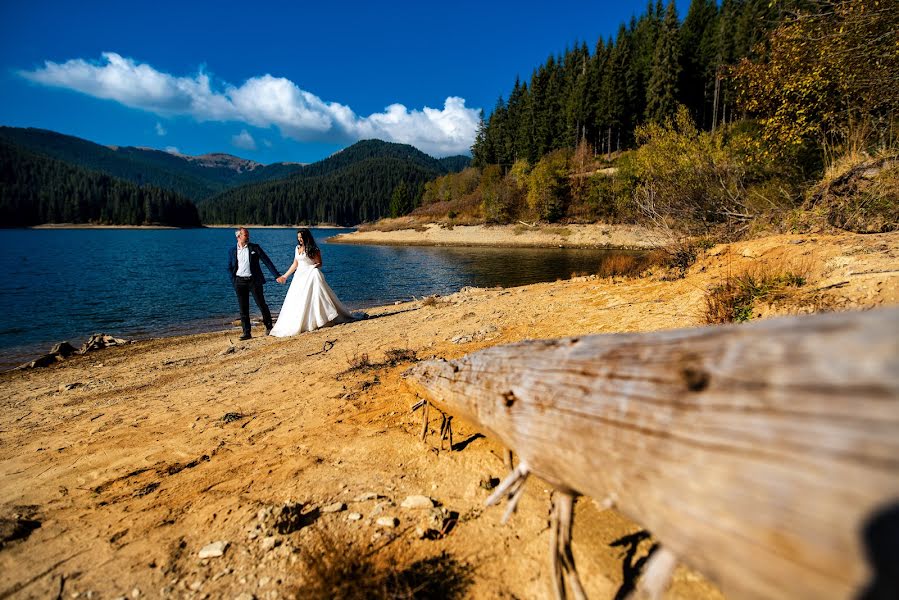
310,304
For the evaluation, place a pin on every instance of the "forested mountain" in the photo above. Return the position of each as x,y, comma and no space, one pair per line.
349,187
35,189
196,177
654,63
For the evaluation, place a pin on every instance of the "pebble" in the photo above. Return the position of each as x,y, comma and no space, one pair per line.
135,593
366,497
417,501
334,508
245,596
354,516
390,522
213,550
269,543
264,581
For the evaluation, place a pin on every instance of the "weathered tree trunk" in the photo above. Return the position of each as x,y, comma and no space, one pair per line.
756,453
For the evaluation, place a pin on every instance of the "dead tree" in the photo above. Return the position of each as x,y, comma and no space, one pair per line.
755,454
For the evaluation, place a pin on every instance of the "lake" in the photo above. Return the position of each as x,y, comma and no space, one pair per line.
65,284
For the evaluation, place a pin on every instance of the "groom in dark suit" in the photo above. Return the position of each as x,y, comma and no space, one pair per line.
246,276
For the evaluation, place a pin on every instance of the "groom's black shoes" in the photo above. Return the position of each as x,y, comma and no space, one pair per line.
245,336
268,331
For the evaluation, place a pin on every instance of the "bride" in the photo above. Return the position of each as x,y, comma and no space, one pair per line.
310,302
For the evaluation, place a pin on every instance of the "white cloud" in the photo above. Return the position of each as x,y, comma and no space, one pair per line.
160,130
244,140
263,101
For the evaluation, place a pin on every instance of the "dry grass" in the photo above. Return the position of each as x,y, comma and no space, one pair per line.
395,356
359,362
733,300
398,224
336,569
631,264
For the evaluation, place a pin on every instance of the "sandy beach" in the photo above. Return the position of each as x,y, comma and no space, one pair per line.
122,466
510,236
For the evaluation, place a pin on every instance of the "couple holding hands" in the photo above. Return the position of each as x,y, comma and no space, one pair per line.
310,303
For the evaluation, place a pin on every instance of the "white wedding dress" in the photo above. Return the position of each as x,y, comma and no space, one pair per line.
310,302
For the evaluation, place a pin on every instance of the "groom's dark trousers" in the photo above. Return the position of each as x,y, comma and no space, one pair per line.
244,286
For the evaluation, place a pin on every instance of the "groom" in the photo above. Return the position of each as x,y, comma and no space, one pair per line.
246,276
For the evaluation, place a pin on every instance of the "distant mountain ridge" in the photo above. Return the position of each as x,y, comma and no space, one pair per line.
196,177
351,186
36,189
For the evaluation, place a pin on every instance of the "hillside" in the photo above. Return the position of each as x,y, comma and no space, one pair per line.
351,186
35,189
195,177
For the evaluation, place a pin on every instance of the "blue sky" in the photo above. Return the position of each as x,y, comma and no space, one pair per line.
273,82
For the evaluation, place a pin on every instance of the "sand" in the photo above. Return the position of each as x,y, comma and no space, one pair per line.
511,236
127,462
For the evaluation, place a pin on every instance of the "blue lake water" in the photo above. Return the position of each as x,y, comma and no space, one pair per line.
65,284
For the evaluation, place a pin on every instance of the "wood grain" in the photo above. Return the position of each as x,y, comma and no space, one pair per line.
754,452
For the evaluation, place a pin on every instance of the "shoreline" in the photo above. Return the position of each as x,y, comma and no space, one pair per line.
591,236
91,226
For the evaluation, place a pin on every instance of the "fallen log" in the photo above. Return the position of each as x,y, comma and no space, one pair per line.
757,454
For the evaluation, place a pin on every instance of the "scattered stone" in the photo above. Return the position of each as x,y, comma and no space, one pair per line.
354,516
381,507
245,596
252,535
417,502
366,497
283,519
213,550
423,533
228,350
488,482
270,543
196,585
264,581
135,593
390,522
334,508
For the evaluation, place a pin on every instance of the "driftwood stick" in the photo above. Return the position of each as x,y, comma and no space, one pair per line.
656,575
564,570
507,459
518,475
755,453
424,421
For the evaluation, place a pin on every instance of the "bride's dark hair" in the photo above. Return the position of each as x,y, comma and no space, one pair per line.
309,245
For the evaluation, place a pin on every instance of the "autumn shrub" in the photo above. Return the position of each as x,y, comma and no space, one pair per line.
696,181
501,196
733,300
548,186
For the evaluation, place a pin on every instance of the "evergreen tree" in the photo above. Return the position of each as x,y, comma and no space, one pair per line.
400,201
698,52
661,100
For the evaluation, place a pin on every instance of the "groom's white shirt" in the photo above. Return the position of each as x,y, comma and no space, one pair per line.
243,261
